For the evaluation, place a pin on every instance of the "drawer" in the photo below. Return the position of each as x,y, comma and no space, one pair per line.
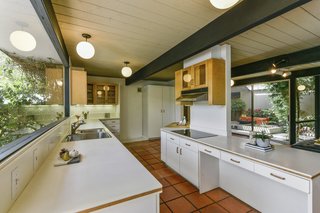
114,126
111,122
283,177
193,146
172,138
238,161
209,150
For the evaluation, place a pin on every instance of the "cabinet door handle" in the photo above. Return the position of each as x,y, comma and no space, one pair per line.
236,161
276,176
180,151
207,150
172,139
188,144
177,150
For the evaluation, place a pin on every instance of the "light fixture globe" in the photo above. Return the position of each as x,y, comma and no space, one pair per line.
223,4
301,87
187,78
231,82
126,71
23,41
84,48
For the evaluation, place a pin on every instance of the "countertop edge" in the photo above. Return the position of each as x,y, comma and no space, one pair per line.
102,206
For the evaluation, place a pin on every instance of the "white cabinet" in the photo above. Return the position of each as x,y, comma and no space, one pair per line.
182,156
163,146
158,109
189,161
173,157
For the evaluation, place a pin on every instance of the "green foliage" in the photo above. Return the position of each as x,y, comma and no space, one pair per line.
237,105
262,135
279,97
21,84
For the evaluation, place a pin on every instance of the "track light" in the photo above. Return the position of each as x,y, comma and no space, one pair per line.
274,67
286,74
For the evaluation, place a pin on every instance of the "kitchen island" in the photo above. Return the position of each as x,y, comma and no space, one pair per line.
283,180
108,179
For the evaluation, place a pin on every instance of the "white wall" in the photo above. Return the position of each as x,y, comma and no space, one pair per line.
23,161
214,119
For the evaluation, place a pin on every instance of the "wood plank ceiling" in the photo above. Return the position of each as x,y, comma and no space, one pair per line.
134,30
141,30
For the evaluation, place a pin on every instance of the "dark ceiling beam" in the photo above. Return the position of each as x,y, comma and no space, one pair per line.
242,17
49,21
300,57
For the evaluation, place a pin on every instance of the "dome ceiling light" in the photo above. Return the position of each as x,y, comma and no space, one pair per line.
301,87
223,4
84,48
23,40
126,71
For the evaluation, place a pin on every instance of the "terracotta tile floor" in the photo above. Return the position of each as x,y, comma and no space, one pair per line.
180,196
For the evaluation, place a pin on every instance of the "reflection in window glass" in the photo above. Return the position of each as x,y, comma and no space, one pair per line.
305,108
31,96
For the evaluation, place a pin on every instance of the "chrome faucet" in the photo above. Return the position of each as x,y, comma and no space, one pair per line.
75,126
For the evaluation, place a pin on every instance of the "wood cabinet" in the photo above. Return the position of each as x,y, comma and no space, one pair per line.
78,87
54,88
102,93
182,156
157,109
207,74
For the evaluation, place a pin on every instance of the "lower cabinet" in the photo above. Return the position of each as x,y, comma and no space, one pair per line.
182,156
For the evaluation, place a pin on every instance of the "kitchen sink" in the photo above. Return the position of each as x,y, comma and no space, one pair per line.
88,134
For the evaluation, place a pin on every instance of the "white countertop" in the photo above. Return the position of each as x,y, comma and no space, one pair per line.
108,173
299,162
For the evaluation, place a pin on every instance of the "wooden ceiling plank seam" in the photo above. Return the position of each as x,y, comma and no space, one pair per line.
244,46
143,11
129,16
120,22
265,11
117,30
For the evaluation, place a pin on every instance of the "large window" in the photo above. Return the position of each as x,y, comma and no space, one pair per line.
31,96
261,107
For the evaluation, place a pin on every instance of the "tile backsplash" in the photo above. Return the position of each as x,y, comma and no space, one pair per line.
96,111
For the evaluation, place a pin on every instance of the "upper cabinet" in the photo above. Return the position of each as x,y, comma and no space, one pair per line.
206,74
102,93
78,87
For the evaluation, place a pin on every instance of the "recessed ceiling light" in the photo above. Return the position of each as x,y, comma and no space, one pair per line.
223,4
84,48
23,40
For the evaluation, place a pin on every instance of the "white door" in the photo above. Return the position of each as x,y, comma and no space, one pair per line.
189,165
173,155
168,105
163,146
154,111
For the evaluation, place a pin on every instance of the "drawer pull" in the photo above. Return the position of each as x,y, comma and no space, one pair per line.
177,150
172,139
188,144
236,161
276,176
207,150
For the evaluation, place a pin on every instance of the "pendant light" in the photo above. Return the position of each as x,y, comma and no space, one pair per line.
23,40
231,82
126,71
301,87
84,48
223,4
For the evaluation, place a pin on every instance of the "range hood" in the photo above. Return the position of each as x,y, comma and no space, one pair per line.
194,95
